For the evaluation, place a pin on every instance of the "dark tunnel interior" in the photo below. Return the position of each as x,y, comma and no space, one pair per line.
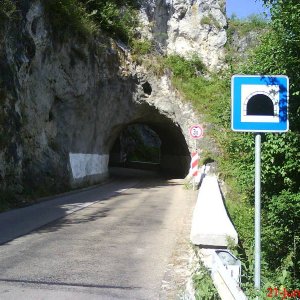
153,143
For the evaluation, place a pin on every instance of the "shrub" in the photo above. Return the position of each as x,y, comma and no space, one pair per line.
204,287
211,21
253,23
69,16
209,96
184,68
7,9
141,47
283,233
118,18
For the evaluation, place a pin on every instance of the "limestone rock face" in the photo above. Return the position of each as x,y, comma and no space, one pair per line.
64,104
188,27
198,27
242,43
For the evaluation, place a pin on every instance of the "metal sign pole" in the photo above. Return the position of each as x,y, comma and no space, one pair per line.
196,132
194,183
257,210
194,178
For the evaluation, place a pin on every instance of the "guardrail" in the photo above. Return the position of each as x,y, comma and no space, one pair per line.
230,288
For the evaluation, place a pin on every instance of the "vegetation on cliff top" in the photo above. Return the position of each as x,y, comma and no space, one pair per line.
86,17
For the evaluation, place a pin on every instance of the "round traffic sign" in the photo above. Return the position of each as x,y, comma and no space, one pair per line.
196,132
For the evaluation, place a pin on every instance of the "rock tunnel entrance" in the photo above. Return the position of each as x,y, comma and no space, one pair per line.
158,146
95,146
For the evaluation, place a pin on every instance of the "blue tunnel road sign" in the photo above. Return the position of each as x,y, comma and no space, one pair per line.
259,103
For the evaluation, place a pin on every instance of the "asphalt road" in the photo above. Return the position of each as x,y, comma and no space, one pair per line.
118,247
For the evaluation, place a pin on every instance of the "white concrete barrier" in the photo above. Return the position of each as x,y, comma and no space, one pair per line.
211,225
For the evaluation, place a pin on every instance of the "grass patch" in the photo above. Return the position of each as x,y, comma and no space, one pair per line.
203,284
175,65
184,68
206,95
211,21
209,93
7,9
69,16
243,27
87,17
141,47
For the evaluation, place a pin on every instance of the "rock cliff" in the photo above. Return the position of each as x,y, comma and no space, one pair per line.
187,28
64,102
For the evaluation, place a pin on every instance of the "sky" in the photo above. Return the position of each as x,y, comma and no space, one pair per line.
244,8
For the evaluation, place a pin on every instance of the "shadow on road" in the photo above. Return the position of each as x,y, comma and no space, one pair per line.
49,215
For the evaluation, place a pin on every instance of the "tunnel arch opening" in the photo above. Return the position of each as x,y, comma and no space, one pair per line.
166,150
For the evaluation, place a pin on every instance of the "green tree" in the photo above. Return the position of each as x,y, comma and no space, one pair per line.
279,53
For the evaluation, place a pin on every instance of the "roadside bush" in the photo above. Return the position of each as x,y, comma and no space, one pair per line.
203,284
210,95
281,237
277,54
